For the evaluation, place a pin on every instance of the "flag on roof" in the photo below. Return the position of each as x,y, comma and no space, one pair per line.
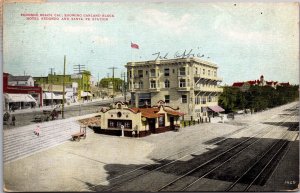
134,46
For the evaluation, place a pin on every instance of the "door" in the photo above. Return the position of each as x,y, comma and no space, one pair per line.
151,123
172,123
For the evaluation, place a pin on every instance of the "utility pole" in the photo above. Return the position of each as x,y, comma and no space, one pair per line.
51,85
124,85
63,103
98,85
113,77
79,68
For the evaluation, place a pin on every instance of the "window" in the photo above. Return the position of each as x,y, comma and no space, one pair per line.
173,71
167,84
196,70
182,83
136,85
111,123
197,101
127,124
140,73
215,73
152,84
146,72
161,121
130,74
167,98
167,72
182,71
208,72
119,123
152,72
209,99
184,98
141,85
203,71
203,100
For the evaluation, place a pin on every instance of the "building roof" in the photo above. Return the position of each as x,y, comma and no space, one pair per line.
169,61
147,112
175,113
238,84
284,84
18,78
152,112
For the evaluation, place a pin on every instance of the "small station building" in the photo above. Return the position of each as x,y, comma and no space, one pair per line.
138,122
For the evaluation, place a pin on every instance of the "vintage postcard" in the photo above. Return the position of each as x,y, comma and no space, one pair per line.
150,96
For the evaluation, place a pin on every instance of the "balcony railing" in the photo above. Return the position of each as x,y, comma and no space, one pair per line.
208,89
208,77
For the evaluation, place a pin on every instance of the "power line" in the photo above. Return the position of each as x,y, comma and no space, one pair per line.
78,68
113,77
123,75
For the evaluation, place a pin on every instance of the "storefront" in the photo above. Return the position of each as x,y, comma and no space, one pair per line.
85,96
138,122
19,101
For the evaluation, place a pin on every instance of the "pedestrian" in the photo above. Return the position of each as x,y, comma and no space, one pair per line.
13,119
37,131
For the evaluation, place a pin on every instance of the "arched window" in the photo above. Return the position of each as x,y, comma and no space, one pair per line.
167,84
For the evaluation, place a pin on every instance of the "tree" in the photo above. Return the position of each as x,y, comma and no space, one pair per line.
118,83
257,98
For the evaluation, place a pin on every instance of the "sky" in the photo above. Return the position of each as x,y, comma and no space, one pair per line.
245,40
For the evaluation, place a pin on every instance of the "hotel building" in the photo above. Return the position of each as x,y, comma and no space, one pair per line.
191,84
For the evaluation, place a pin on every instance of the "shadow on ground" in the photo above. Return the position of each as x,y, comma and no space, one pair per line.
132,174
284,124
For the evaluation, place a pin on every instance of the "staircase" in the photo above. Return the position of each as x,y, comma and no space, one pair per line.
21,142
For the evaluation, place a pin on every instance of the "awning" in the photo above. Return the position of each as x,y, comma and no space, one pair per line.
49,95
19,98
84,94
216,109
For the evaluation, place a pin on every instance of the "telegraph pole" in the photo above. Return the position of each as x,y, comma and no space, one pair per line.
79,68
98,85
124,85
113,76
63,103
51,72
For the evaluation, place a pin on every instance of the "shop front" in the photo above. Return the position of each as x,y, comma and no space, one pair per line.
19,101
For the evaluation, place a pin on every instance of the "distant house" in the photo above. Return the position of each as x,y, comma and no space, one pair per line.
20,80
261,82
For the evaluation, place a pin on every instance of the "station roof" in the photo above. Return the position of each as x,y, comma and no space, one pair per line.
152,112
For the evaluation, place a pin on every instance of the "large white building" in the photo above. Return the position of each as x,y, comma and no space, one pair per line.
191,84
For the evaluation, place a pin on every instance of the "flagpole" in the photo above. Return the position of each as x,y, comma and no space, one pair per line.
131,52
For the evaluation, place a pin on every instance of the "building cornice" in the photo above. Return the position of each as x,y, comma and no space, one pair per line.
171,61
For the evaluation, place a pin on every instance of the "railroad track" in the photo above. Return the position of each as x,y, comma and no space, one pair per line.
235,149
258,172
207,168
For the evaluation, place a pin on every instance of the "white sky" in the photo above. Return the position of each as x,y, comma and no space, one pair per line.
245,40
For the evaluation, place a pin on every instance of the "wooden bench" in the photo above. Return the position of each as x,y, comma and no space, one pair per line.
81,134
